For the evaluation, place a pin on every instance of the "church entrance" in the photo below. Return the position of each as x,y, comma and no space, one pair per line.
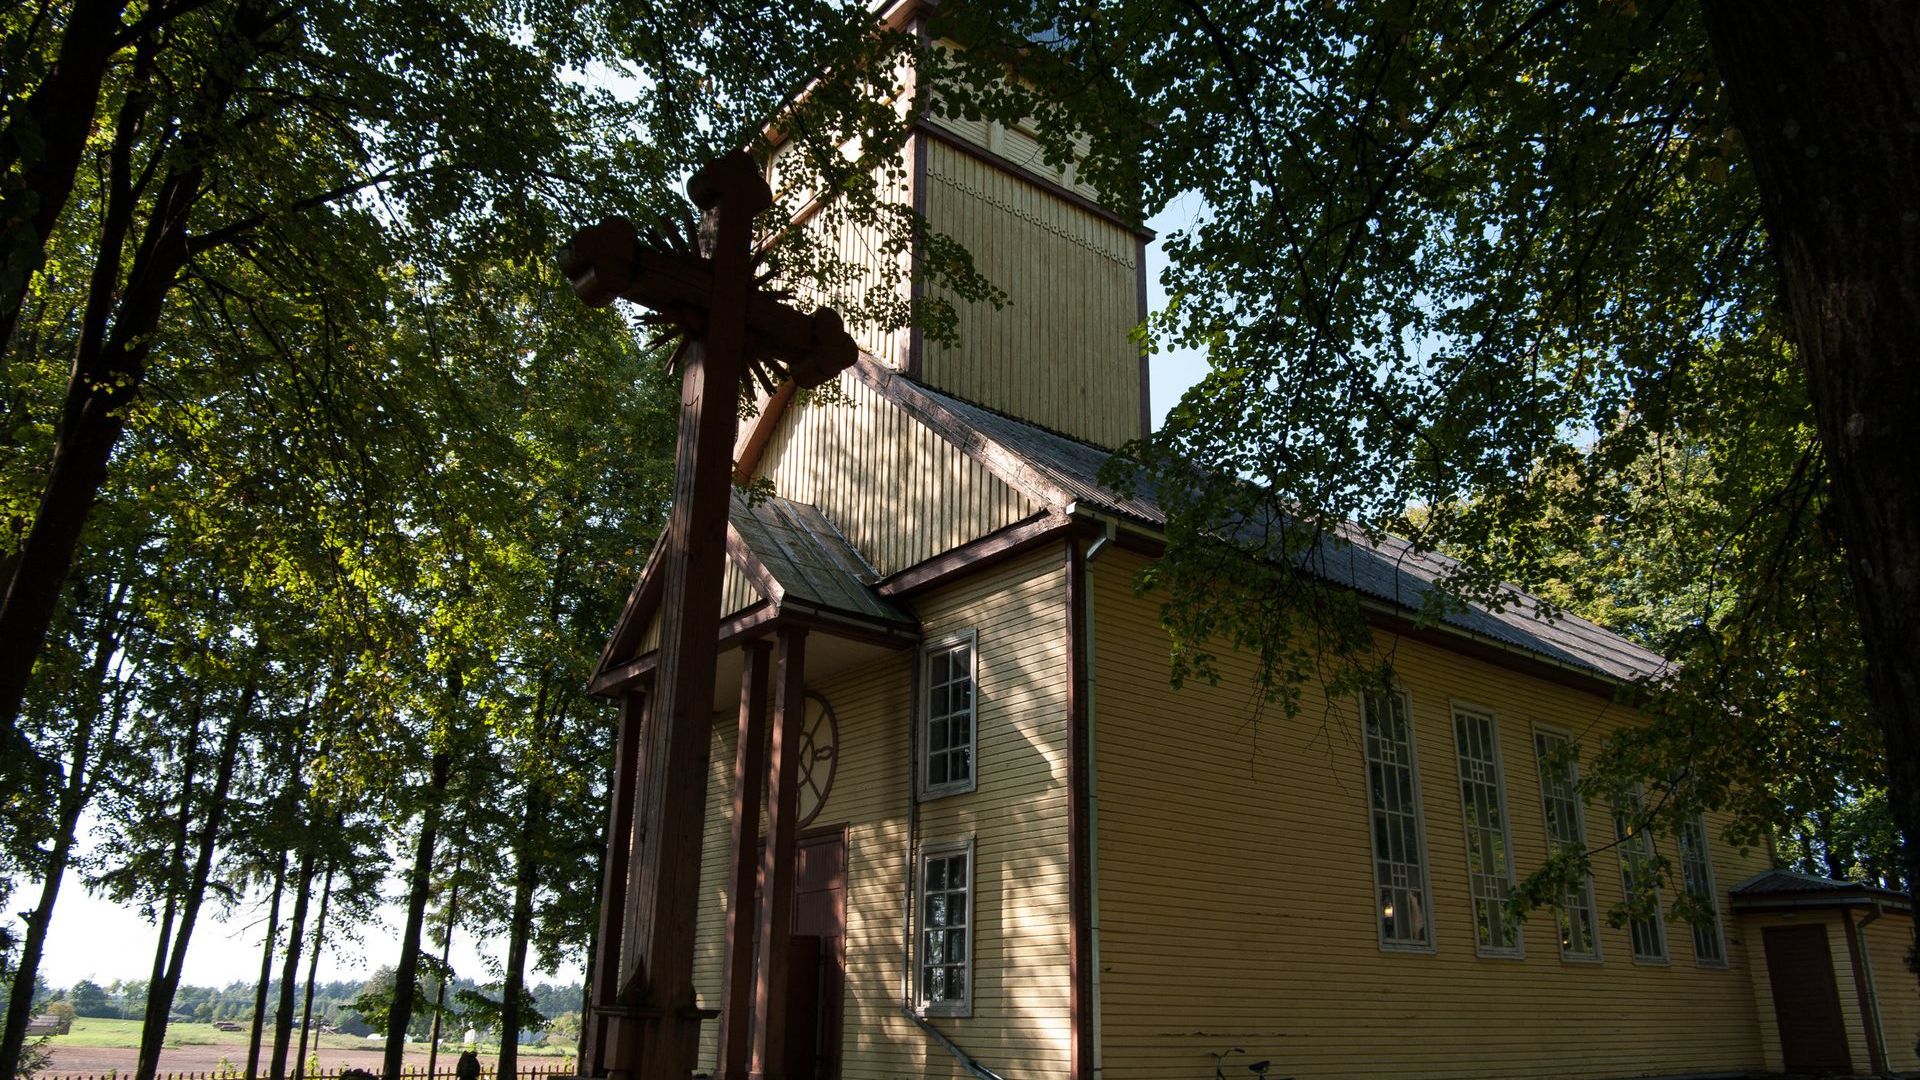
817,958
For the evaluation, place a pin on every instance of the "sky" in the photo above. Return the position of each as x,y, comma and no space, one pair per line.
94,938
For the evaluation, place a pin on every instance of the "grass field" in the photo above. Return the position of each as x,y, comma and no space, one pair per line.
97,1047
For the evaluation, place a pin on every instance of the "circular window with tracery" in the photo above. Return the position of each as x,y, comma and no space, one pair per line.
819,756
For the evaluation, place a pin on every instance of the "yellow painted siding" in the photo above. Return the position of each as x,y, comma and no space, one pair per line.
1058,354
1236,889
897,491
865,274
1752,927
1016,816
1020,146
1889,941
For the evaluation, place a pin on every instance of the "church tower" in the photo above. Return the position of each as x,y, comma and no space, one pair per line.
1059,353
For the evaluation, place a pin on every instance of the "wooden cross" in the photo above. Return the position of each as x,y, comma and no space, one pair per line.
731,328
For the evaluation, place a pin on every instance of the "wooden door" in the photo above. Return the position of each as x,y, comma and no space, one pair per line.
818,963
1806,1002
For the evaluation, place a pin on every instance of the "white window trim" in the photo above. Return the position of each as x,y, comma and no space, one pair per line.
1580,821
1430,945
1713,894
964,1007
1665,958
1517,950
923,718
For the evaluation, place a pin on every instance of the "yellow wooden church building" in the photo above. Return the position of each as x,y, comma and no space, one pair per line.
1023,854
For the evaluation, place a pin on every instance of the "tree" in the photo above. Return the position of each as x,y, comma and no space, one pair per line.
89,999
1447,249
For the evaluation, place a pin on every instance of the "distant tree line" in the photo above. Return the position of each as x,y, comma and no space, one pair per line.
335,1004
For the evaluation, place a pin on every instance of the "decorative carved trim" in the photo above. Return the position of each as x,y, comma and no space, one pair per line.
1028,216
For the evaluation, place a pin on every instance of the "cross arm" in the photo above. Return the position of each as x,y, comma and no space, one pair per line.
608,261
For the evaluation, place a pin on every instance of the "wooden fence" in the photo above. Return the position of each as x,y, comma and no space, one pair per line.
407,1072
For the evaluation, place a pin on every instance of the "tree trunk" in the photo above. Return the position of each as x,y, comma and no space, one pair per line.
45,139
446,967
313,970
160,997
520,932
109,367
74,796
290,969
1827,99
420,884
266,969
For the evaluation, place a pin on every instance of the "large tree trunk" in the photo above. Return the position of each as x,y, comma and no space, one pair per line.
75,793
266,969
313,971
420,883
160,995
290,969
45,139
1827,98
109,367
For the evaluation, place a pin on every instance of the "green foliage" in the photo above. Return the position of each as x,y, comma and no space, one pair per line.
1494,278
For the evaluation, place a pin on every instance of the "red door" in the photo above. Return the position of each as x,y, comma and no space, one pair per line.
1813,1036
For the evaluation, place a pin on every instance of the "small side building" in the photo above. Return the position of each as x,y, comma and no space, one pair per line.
1833,979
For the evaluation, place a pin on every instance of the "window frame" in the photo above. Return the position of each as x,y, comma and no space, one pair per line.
1597,956
1518,949
923,718
1419,812
1699,821
1638,798
942,849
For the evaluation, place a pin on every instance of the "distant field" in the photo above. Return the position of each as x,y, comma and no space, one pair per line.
98,1047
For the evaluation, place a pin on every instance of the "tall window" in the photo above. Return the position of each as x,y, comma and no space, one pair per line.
1399,849
1483,805
1696,872
1648,931
946,925
1567,834
947,739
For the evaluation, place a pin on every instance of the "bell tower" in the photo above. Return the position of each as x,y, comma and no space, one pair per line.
1059,353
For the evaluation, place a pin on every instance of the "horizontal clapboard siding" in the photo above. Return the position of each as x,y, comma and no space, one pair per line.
1236,889
897,491
1889,942
1059,353
1016,816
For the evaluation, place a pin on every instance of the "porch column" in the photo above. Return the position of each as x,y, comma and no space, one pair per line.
776,866
613,882
749,778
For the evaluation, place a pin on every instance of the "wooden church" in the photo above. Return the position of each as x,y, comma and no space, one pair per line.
998,844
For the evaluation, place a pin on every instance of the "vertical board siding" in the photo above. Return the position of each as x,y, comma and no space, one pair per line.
897,491
1016,816
865,275
1237,891
1059,353
1889,941
1021,147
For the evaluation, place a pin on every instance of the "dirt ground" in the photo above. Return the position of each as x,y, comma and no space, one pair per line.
88,1061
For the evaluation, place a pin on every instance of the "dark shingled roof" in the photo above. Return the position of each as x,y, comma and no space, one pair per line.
1787,888
1392,570
811,564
